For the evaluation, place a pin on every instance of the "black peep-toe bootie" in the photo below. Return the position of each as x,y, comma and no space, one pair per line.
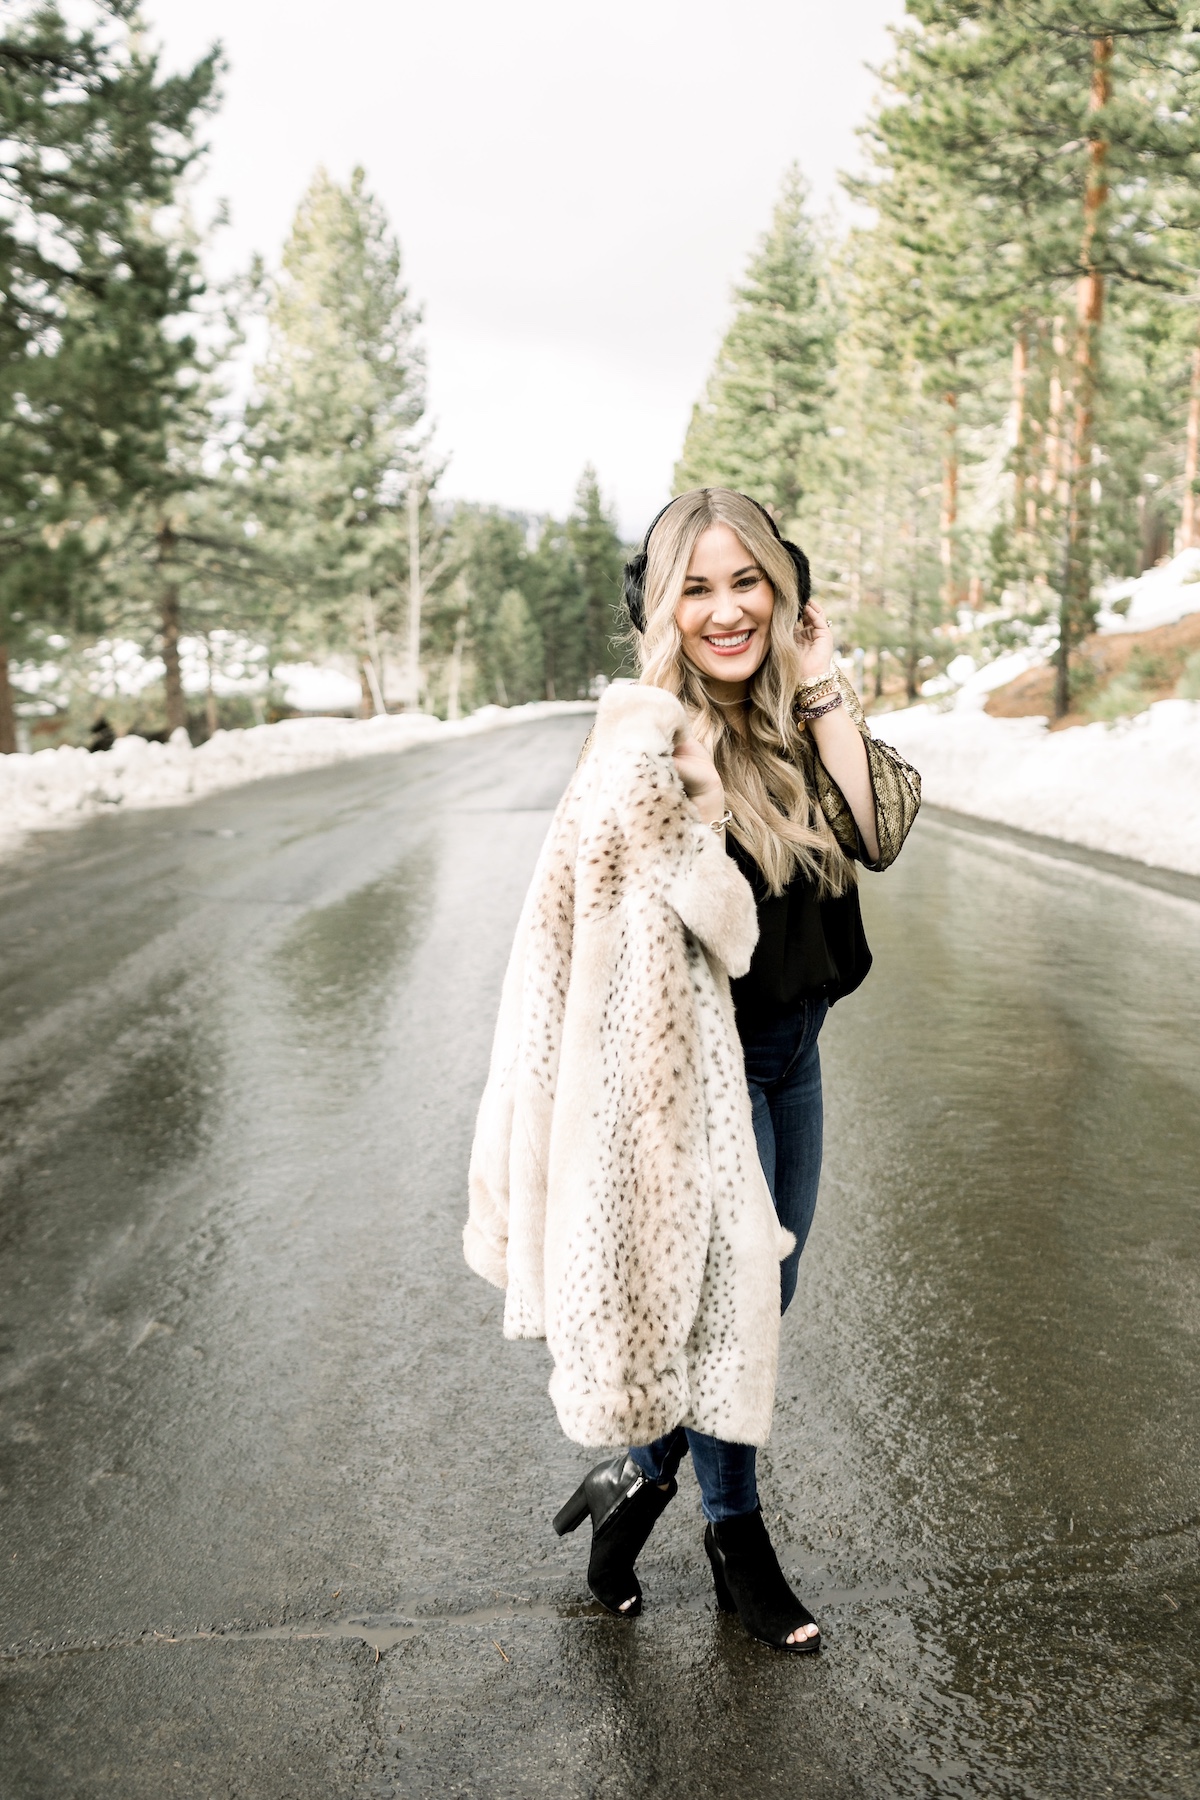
624,1505
750,1583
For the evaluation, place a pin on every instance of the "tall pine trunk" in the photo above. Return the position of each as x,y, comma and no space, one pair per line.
1076,583
173,679
1189,531
169,630
8,712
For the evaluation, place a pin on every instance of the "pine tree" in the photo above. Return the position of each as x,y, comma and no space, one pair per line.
92,360
176,559
558,601
599,559
518,652
761,425
332,436
926,301
477,661
874,540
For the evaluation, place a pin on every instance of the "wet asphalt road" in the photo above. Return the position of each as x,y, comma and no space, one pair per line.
276,1495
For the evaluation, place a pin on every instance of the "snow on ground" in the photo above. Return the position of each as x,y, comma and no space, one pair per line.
1159,597
1131,788
68,784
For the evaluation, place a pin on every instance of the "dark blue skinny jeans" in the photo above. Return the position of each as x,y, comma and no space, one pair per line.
783,1072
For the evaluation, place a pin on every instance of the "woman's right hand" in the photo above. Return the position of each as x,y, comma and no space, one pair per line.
701,783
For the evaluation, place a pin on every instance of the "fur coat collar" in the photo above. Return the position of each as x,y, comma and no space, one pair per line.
615,1187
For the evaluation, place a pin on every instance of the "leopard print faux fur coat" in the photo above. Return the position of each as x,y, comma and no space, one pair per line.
615,1188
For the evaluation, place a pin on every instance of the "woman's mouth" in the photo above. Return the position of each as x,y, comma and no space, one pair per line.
728,643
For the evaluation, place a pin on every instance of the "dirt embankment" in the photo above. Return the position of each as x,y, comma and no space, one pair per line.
1113,674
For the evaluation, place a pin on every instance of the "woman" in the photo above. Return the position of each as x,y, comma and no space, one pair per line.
775,758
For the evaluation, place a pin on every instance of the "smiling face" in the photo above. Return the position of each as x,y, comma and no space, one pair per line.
724,614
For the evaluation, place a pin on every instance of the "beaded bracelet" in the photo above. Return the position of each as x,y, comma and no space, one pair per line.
818,712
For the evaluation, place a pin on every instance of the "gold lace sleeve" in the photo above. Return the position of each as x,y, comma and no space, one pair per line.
895,783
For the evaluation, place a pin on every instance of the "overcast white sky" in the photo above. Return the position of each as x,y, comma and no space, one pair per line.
575,187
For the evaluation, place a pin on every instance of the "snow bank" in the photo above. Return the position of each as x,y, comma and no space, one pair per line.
1131,788
63,786
1159,597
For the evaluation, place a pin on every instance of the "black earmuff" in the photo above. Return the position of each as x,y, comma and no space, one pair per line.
635,590
635,569
634,583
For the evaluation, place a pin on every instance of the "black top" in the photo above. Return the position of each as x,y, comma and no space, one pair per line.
806,946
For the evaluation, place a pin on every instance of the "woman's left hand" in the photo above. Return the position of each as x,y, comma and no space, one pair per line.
814,639
701,783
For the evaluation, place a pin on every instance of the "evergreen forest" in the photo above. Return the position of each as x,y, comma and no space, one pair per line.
974,403
983,400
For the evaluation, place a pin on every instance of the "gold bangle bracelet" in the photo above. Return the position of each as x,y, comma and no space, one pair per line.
809,692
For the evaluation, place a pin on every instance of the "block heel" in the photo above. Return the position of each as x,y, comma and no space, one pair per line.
624,1507
725,1600
571,1516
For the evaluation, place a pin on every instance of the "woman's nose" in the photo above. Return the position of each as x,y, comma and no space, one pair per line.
727,609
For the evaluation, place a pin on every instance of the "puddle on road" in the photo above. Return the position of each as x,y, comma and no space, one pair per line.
342,964
96,1172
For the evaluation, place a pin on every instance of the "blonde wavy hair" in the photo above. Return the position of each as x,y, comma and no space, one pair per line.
775,817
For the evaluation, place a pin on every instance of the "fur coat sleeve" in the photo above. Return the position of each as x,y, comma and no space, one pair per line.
615,1188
